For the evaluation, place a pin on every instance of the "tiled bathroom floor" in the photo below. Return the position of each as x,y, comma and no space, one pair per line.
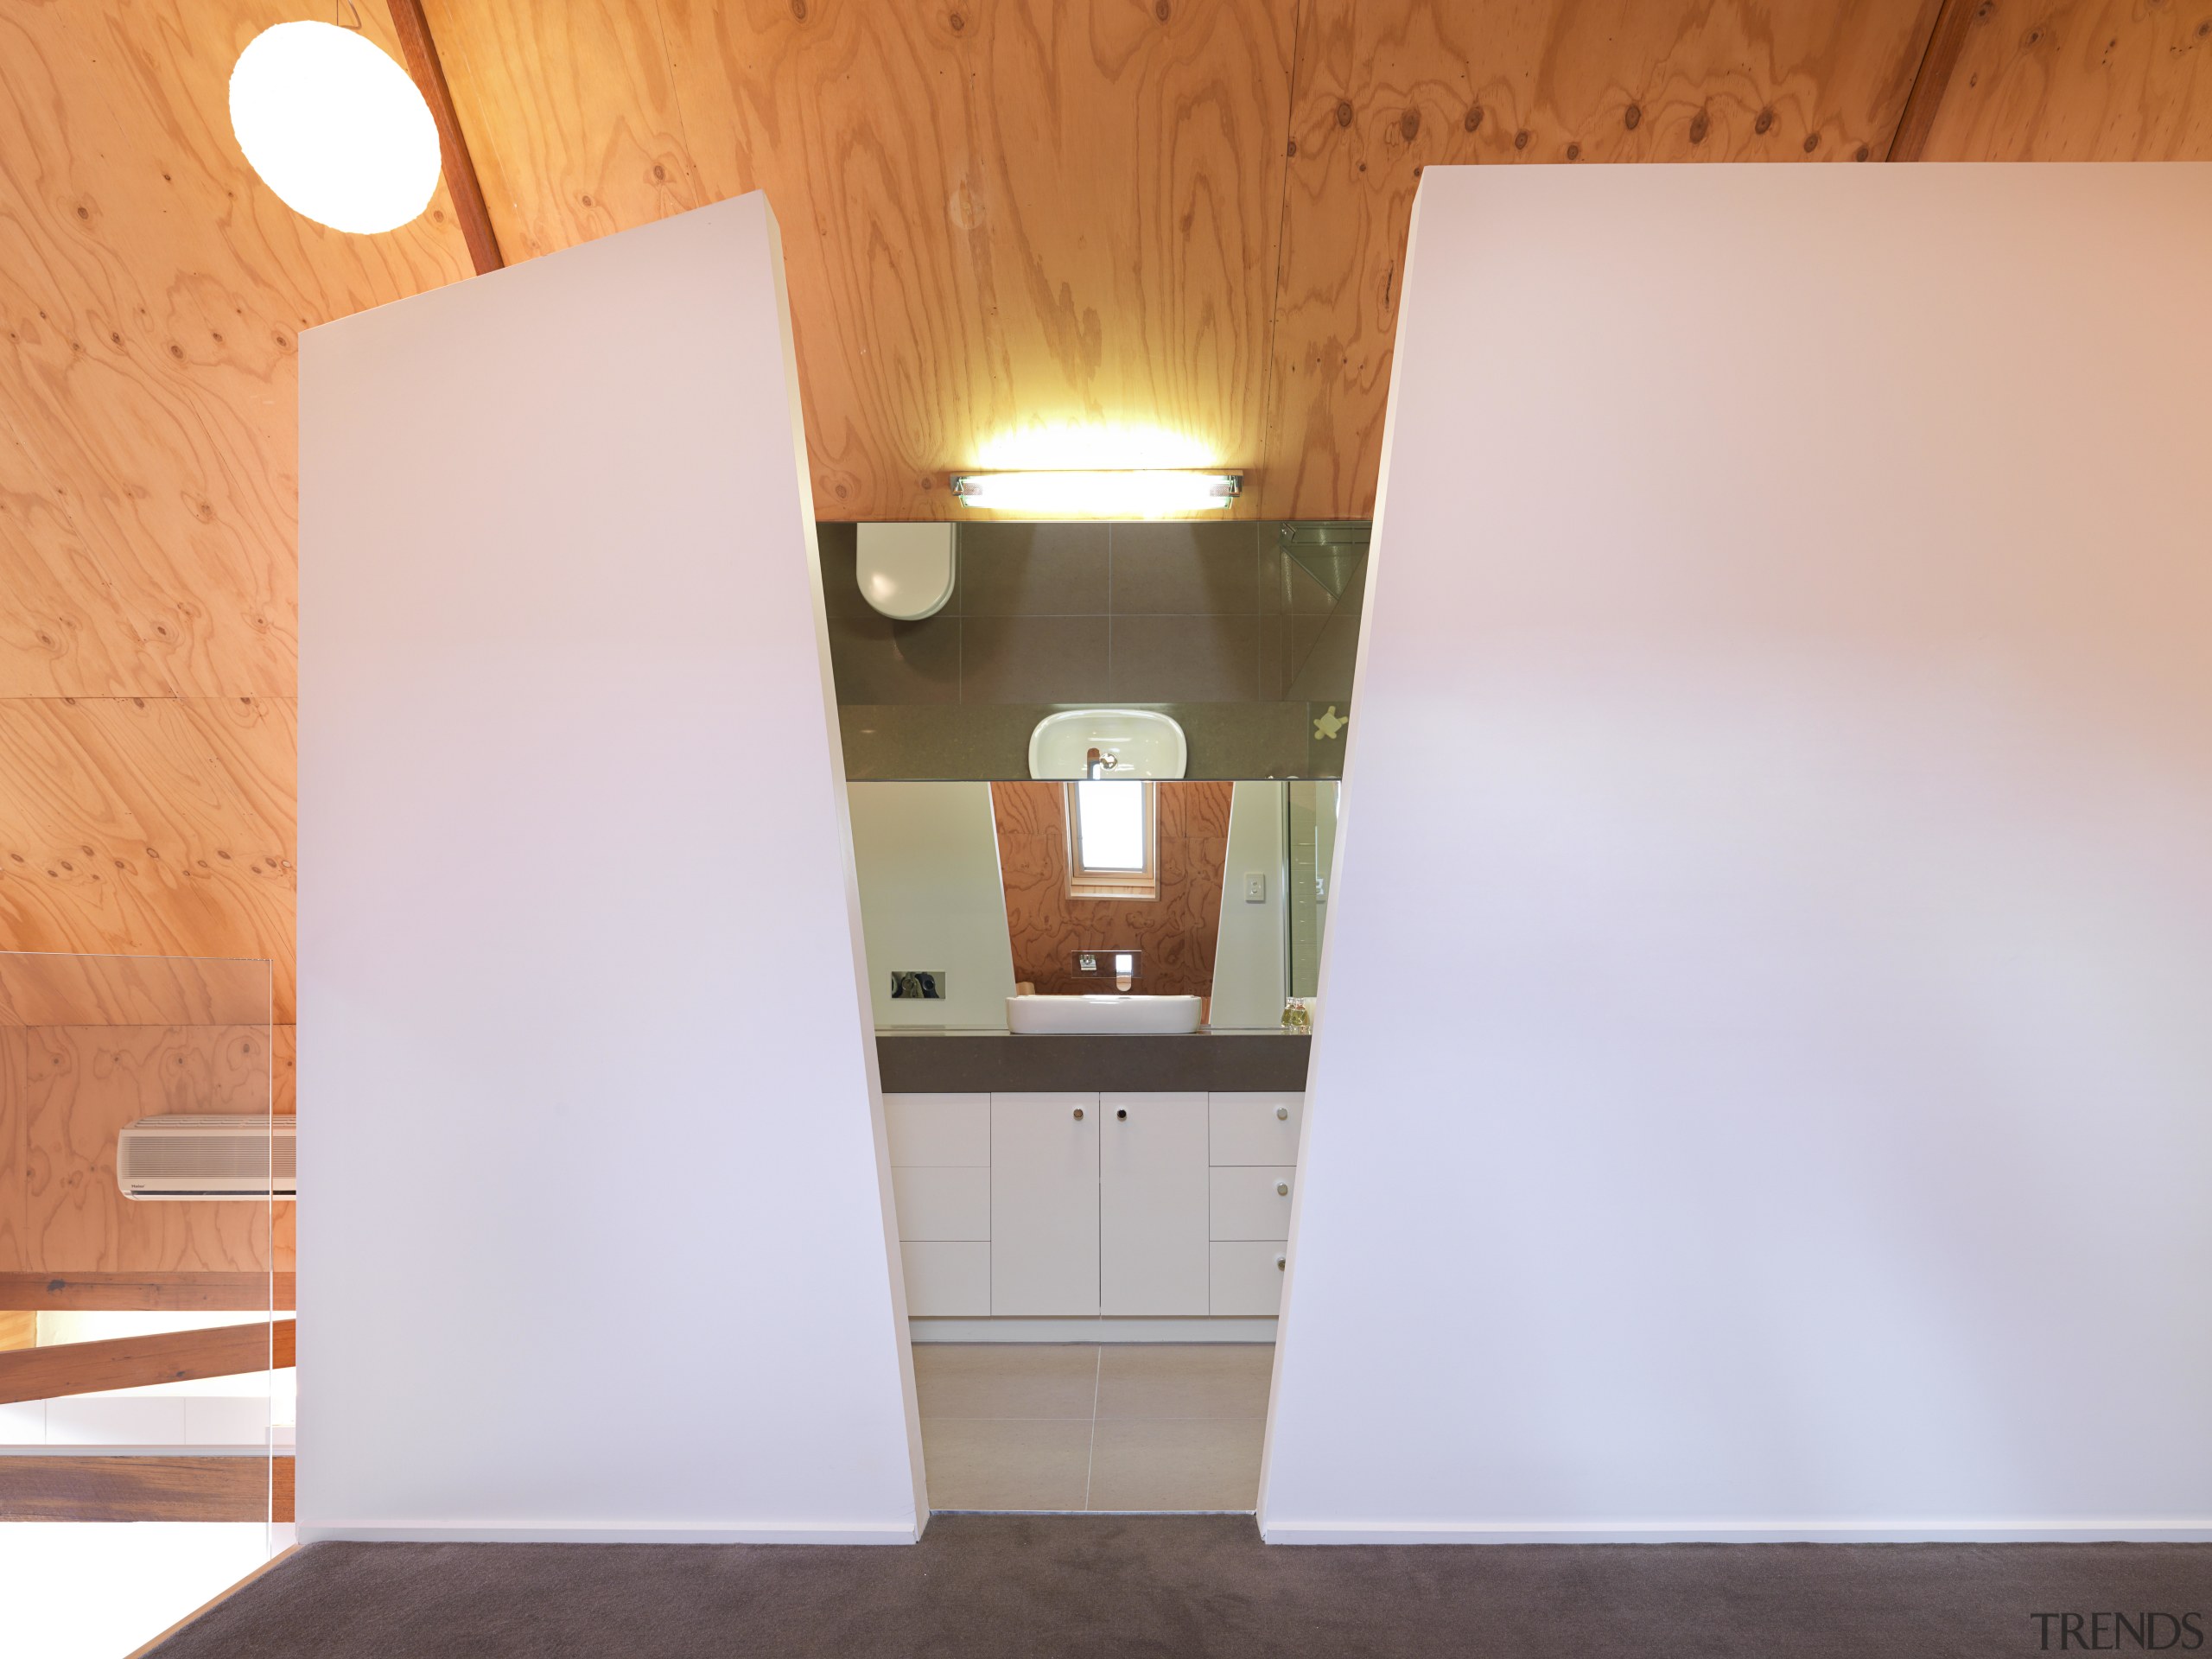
1116,1425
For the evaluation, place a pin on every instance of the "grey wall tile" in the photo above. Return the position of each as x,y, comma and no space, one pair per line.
1268,565
1032,570
1185,568
1274,674
1228,740
941,740
1353,598
1245,740
1326,671
1033,659
874,659
840,592
1304,596
1186,659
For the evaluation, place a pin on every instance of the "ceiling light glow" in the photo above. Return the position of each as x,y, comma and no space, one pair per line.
1121,446
334,127
1150,493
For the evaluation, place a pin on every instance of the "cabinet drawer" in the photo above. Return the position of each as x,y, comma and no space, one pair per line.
1253,1128
938,1130
1245,1204
943,1203
947,1281
1247,1280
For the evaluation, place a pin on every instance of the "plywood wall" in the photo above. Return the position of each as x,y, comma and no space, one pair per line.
1176,931
87,1044
152,293
1182,217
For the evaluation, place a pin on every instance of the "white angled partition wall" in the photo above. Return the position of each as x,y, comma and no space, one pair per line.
1765,1084
592,1237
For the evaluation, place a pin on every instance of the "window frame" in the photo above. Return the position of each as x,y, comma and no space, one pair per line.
1139,884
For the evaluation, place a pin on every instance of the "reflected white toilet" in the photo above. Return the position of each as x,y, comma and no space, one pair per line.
906,571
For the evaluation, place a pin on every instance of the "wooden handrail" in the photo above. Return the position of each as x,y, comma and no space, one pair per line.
96,1487
182,1293
66,1368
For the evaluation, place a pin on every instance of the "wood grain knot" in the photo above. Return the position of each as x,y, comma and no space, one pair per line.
1812,141
1521,139
1343,113
1160,11
1409,124
1632,117
798,10
1699,125
1765,121
958,22
1473,119
1574,152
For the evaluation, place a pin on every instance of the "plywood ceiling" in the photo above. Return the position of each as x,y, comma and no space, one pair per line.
1002,217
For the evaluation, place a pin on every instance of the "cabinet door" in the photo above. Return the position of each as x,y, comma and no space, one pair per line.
1043,1203
1151,1194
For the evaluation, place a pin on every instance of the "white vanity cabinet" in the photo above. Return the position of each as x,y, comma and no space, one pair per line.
1152,1193
1252,1145
941,1184
1142,1205
1044,1239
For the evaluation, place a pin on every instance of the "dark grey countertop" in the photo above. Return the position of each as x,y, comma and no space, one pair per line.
921,1062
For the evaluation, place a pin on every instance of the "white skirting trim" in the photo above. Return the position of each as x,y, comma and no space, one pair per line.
1192,1328
464,1532
1748,1532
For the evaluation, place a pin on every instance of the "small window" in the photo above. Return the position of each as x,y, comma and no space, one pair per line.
1113,840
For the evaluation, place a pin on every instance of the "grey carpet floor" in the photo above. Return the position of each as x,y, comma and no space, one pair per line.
979,1587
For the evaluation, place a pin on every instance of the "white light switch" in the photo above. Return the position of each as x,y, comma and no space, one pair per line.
1255,889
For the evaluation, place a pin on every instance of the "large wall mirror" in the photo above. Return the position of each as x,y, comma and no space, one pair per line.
1093,760
978,897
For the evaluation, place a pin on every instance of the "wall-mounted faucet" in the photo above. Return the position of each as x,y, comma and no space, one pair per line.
1098,760
1122,965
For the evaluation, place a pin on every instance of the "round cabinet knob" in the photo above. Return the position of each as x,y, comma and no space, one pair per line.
1120,1111
1283,1112
1078,1112
1278,1264
1282,1189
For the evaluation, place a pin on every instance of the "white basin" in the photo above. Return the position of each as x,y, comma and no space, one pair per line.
1144,743
1037,1015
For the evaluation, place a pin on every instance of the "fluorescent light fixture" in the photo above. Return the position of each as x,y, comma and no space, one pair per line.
1137,493
334,127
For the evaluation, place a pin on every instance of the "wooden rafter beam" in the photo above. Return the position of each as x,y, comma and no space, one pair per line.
1945,41
67,1368
423,62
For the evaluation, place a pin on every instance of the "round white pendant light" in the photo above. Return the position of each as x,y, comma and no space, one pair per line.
334,127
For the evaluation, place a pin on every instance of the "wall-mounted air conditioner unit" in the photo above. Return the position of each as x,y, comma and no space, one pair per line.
236,1157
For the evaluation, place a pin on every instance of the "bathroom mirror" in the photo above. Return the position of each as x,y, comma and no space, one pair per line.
951,645
996,907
